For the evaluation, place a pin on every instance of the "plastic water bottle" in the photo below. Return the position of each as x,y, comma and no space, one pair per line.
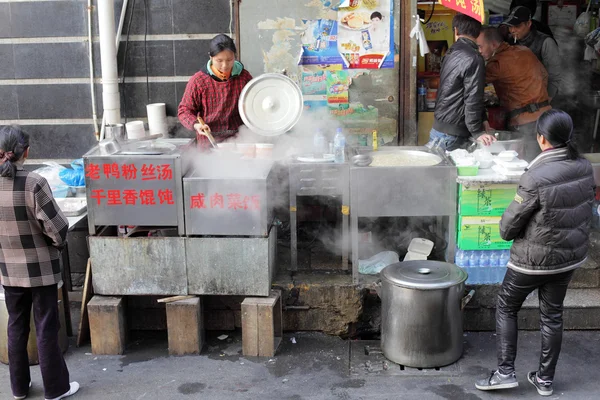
319,144
484,267
504,257
339,147
461,260
422,96
474,267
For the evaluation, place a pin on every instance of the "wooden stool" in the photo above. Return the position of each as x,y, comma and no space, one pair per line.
261,325
185,326
107,325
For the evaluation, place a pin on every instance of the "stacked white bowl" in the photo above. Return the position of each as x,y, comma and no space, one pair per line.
157,119
135,130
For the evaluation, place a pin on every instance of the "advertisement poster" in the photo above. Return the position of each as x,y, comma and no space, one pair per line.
365,37
319,43
314,89
338,83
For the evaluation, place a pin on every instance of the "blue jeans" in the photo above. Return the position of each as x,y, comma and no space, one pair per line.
446,142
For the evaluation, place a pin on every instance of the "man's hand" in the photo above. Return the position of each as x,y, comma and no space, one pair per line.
486,139
201,128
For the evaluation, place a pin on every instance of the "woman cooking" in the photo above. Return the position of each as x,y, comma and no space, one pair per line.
210,101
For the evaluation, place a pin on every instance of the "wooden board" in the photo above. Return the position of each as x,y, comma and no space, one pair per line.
83,333
185,326
107,325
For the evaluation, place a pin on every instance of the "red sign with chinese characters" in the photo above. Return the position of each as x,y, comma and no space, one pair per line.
129,172
370,61
133,197
130,196
230,201
472,8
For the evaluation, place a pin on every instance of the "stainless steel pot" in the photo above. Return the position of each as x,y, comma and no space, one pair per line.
421,308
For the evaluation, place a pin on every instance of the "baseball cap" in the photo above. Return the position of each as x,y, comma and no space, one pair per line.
517,16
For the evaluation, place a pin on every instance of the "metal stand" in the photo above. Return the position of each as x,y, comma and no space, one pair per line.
319,180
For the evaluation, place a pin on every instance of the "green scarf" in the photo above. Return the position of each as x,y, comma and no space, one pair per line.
238,67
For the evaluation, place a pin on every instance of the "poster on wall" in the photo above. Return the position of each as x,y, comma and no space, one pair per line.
365,37
314,89
338,83
319,43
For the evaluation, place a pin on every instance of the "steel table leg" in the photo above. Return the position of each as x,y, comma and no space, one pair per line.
293,229
345,217
354,234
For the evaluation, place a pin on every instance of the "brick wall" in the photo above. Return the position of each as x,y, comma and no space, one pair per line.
44,65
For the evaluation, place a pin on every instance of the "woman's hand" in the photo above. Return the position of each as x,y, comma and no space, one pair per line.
202,128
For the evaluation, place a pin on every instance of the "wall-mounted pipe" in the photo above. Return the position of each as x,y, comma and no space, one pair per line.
117,42
91,61
108,57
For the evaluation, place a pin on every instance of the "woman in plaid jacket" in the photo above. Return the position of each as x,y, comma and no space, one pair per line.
213,94
32,233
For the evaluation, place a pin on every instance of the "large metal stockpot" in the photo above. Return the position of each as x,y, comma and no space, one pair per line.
421,308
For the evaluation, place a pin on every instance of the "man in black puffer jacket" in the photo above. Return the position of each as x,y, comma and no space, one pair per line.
549,222
459,109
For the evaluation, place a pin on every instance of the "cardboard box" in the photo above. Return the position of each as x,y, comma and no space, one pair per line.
480,233
485,200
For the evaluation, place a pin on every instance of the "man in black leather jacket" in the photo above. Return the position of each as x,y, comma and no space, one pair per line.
543,46
459,108
549,221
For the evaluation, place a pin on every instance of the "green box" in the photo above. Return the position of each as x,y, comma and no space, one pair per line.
480,233
485,200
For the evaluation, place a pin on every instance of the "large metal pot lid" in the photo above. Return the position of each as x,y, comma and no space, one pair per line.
271,104
424,275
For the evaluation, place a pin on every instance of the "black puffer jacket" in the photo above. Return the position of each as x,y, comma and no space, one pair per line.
459,104
549,218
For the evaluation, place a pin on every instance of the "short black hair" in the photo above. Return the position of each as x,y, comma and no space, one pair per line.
376,14
220,43
492,34
466,25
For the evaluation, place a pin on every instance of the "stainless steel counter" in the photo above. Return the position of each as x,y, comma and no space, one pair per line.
412,191
138,186
238,202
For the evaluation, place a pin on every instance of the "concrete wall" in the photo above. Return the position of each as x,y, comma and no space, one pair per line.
44,71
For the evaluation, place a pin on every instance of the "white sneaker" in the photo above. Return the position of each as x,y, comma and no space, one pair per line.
22,397
71,392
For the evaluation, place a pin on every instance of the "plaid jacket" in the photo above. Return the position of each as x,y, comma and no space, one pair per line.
217,103
33,230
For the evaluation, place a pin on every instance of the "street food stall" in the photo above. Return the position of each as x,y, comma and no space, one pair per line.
167,219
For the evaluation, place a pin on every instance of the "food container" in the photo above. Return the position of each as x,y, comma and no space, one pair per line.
247,149
264,150
135,130
422,313
507,156
505,141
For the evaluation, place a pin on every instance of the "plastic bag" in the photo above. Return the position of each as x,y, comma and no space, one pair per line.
74,176
51,172
374,265
582,23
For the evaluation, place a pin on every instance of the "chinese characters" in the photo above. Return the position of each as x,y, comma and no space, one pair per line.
230,201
